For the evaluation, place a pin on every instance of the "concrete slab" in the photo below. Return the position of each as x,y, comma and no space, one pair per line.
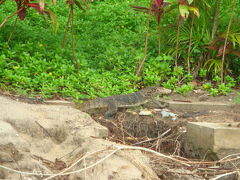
201,106
59,102
220,139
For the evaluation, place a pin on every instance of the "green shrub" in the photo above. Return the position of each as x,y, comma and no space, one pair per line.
109,43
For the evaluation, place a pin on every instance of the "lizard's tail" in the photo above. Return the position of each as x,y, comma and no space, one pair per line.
92,104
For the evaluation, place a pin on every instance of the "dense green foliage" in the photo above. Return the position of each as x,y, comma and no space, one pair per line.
109,41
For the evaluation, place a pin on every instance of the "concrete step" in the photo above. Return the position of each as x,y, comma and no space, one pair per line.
204,106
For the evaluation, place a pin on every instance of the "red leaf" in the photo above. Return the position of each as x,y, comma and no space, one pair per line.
36,6
237,53
158,2
156,9
227,50
22,13
183,2
141,9
212,47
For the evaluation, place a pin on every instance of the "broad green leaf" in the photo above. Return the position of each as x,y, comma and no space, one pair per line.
194,10
183,9
190,1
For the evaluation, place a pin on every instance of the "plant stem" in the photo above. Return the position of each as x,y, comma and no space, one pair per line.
225,43
66,30
177,40
215,19
159,39
140,67
190,44
10,16
73,44
13,30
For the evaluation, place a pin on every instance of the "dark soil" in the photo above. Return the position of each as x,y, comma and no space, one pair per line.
164,133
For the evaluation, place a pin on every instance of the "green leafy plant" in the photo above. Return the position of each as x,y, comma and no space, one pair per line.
179,81
220,88
230,82
171,83
109,43
213,66
106,56
207,86
157,69
185,88
238,80
202,73
213,91
223,89
217,79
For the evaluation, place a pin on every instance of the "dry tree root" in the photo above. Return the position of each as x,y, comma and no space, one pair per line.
163,164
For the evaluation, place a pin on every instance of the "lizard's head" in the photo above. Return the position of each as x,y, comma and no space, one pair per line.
155,91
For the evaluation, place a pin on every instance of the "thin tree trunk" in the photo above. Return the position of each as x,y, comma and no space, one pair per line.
225,43
13,30
141,64
215,19
190,45
9,17
159,39
177,40
73,44
66,30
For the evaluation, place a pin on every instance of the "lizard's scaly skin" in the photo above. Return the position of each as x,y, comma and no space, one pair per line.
129,100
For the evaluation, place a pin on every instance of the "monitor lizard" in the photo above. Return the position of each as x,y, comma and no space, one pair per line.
112,103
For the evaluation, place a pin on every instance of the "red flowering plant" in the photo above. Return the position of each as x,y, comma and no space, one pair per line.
23,5
156,8
232,46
